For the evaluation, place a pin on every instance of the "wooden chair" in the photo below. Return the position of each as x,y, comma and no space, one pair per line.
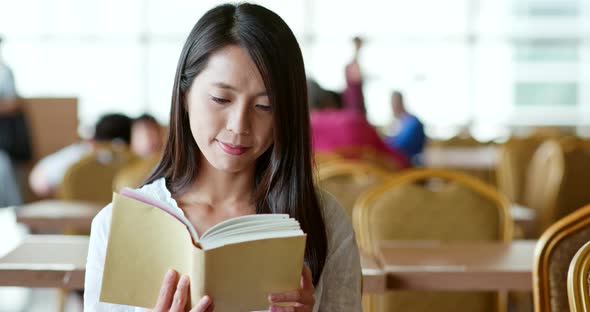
346,180
432,204
578,280
574,192
323,158
91,178
554,252
514,158
135,173
556,184
543,183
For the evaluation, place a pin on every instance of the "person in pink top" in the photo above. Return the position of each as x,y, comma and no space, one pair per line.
352,96
336,129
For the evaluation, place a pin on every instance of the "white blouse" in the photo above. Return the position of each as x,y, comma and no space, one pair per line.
339,287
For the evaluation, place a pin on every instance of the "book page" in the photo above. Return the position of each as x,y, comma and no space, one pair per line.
238,221
252,227
159,204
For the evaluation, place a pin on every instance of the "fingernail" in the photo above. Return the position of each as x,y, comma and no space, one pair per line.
206,300
170,274
272,297
184,280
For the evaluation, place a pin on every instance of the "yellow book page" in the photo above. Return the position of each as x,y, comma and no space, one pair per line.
239,277
144,242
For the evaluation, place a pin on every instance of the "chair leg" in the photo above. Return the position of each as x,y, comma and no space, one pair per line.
520,301
61,299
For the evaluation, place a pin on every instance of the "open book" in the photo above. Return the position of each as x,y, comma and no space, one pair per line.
237,262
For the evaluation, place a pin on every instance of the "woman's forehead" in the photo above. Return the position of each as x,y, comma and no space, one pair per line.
232,67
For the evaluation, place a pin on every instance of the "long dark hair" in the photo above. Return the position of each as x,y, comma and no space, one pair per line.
283,175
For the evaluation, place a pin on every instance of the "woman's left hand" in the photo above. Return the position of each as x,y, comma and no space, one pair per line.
302,299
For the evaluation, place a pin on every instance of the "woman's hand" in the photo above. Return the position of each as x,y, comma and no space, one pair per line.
302,299
174,295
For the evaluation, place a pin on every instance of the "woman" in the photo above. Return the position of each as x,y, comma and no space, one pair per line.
239,144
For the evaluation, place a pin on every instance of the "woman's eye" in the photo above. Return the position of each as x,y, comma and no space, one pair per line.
219,100
265,108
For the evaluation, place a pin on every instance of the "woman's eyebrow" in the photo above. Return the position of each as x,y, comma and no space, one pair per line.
224,85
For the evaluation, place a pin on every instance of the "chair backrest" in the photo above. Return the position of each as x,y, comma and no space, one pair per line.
135,173
325,157
543,184
512,166
578,280
554,252
556,185
91,178
574,191
457,141
432,204
346,180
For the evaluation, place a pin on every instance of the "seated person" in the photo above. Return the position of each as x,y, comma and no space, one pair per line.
146,142
334,128
9,192
48,173
409,138
146,136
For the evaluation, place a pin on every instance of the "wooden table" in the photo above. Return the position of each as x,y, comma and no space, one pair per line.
46,261
59,261
56,214
374,278
419,265
473,158
523,217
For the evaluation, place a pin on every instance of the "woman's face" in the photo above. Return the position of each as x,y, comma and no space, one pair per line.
229,111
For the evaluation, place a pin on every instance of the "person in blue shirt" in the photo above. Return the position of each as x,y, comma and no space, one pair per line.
409,138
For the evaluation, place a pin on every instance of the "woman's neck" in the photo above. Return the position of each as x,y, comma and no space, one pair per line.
217,188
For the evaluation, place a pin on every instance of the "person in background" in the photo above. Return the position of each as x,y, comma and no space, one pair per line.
335,128
9,191
146,142
8,95
146,136
353,93
48,173
409,137
14,137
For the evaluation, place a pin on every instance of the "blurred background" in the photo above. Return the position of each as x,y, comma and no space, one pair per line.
498,90
490,66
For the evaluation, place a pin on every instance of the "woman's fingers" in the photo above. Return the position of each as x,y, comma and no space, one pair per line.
289,309
306,278
204,305
181,294
167,291
290,296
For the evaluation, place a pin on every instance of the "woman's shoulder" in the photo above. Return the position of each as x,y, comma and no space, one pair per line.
156,189
337,223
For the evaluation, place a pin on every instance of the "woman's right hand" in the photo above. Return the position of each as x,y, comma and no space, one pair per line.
175,293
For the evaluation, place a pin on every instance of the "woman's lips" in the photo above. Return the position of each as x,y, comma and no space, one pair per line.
235,150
